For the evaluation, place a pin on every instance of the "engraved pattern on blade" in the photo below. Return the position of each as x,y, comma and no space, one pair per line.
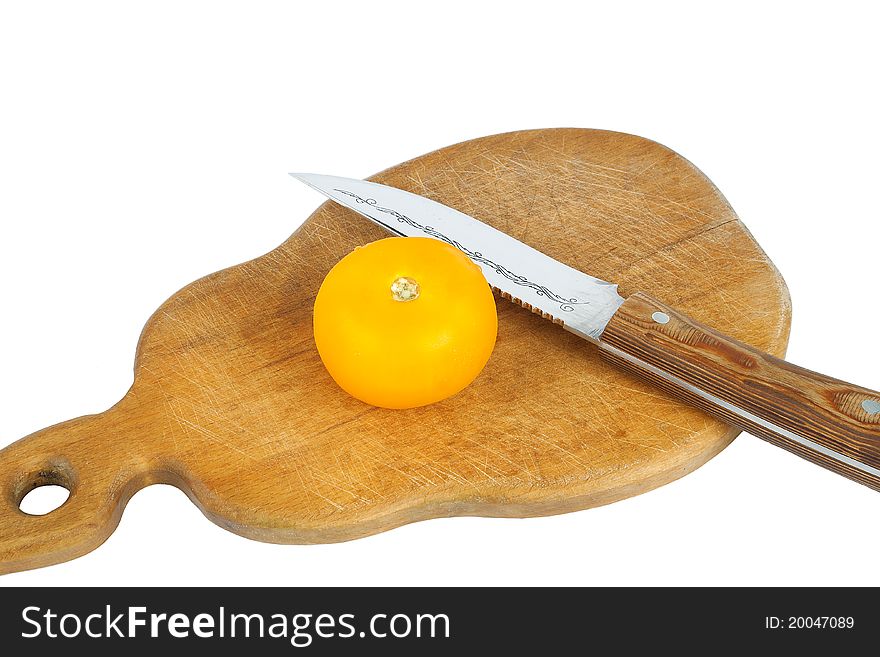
579,302
565,304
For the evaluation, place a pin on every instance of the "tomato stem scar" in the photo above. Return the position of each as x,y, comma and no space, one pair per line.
405,289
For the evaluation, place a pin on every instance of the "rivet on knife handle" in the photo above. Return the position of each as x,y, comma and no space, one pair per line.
827,421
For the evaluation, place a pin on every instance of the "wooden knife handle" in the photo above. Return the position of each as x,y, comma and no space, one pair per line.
829,422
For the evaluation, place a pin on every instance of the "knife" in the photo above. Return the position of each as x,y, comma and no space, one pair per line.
824,420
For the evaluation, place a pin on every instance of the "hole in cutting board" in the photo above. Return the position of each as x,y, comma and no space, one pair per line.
43,499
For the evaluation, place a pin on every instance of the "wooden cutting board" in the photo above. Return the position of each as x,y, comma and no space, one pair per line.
231,404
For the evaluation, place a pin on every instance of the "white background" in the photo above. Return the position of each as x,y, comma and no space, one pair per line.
143,145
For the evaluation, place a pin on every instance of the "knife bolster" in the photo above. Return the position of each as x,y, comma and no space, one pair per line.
824,420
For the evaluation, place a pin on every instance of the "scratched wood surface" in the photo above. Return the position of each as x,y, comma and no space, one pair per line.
231,403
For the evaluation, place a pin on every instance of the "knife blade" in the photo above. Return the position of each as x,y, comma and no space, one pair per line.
824,420
579,302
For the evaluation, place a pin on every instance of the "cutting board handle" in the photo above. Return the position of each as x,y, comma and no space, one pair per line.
79,455
824,420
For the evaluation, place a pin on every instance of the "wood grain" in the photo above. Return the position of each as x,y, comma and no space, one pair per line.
231,404
783,397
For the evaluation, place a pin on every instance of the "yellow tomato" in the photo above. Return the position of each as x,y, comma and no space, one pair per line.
404,322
